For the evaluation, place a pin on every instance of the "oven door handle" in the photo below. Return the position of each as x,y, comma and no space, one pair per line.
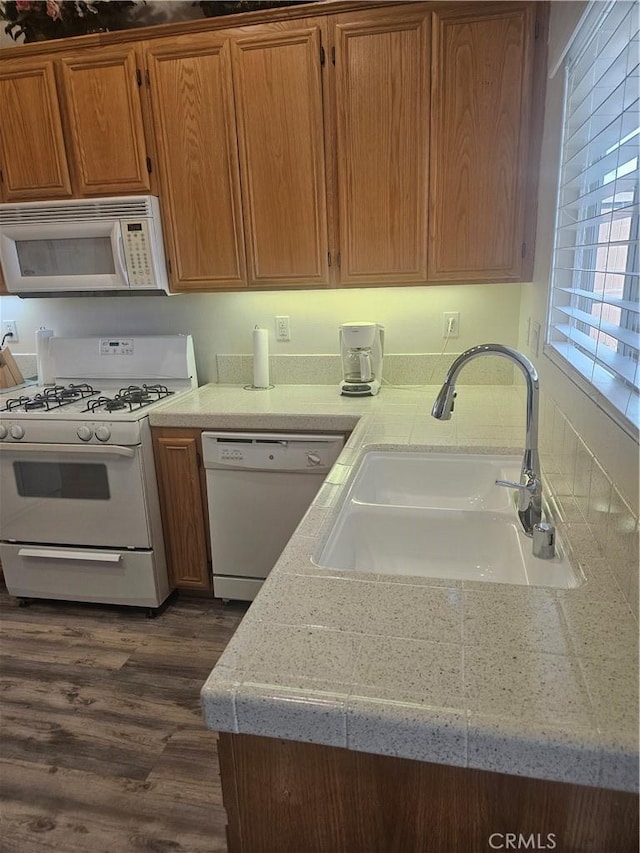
105,449
55,554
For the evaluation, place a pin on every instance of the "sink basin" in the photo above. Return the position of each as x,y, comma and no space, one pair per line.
440,516
438,480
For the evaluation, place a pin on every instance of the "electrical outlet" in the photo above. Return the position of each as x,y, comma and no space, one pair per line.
529,332
451,324
283,330
10,328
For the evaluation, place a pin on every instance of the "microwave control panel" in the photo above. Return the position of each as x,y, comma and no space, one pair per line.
137,252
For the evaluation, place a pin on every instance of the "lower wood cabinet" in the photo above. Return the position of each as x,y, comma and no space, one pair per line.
290,796
183,504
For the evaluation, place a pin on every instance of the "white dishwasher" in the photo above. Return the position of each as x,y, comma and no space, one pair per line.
259,485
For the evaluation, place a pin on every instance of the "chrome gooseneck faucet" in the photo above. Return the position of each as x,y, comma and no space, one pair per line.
530,487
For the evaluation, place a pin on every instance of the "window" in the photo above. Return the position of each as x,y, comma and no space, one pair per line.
594,311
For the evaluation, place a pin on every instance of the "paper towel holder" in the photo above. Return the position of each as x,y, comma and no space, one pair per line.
260,350
44,366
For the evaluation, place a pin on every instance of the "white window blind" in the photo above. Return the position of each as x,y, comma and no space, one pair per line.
594,304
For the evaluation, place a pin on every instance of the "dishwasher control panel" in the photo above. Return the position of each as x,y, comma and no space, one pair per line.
232,453
271,451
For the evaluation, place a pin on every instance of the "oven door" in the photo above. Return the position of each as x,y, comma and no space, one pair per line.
73,495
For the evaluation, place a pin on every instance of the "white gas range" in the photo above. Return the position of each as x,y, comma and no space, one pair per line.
79,510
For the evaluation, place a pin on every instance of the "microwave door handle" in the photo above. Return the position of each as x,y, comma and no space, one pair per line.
59,554
96,449
117,244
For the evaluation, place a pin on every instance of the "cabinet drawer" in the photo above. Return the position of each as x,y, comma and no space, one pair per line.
121,577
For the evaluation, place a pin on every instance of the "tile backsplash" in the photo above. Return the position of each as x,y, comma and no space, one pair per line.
26,363
587,500
404,369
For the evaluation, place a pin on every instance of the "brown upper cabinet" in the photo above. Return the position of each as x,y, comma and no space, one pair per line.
481,141
381,144
72,126
316,209
382,62
279,108
33,157
104,116
238,118
390,145
194,122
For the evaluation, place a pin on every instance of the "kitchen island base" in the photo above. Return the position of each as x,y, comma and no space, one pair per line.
284,795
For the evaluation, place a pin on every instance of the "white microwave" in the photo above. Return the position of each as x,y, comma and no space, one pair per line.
103,245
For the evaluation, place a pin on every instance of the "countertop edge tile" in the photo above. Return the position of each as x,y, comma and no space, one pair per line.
292,714
534,750
619,767
218,700
437,735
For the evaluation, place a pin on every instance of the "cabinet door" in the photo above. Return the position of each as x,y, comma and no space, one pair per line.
280,132
382,108
481,96
105,121
193,118
178,468
33,156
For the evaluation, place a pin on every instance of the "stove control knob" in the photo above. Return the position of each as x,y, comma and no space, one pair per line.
103,433
84,433
3,431
17,432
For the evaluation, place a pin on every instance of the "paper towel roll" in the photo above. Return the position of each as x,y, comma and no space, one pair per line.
44,364
260,358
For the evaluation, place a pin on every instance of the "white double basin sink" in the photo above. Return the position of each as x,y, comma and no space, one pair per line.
438,515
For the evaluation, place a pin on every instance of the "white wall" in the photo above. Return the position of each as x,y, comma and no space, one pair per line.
222,322
616,451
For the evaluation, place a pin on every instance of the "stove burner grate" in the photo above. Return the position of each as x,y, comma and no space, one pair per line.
15,403
133,397
51,398
109,404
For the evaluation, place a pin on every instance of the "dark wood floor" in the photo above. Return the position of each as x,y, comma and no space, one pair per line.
103,747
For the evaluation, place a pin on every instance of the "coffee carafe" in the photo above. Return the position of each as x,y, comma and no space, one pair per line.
361,348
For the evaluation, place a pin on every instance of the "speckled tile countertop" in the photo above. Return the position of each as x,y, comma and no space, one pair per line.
522,680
